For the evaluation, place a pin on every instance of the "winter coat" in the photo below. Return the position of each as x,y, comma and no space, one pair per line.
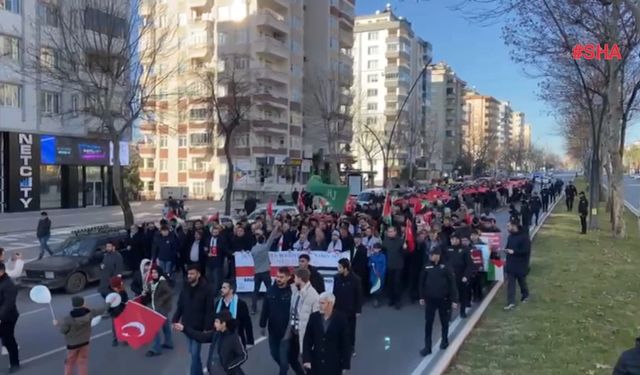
44,228
161,296
230,350
242,324
308,304
196,306
348,293
377,268
394,248
276,310
112,265
316,279
458,258
76,327
629,361
360,266
518,262
8,294
328,352
139,278
583,206
165,248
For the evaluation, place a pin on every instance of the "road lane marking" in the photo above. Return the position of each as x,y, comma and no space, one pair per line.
33,311
60,349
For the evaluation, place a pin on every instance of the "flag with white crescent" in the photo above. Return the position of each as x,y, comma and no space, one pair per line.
137,324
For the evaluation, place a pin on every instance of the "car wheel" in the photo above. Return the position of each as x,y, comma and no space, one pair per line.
75,283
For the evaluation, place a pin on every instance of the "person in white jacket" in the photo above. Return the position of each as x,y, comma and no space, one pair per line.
336,243
304,301
15,265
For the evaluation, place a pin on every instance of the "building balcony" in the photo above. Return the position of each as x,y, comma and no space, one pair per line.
200,3
269,124
147,174
272,75
273,20
345,59
200,50
200,175
205,22
146,149
271,100
346,39
148,127
271,47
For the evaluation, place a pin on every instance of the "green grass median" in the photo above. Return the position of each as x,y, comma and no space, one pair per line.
583,312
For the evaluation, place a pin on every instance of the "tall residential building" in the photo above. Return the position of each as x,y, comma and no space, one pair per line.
328,76
481,130
517,130
388,58
526,137
51,154
262,41
504,126
447,117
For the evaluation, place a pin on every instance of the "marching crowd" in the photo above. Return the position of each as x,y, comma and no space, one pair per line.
406,249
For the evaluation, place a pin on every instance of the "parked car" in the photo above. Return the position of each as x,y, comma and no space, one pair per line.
261,210
76,262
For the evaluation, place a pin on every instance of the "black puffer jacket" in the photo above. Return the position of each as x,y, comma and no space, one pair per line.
518,262
196,306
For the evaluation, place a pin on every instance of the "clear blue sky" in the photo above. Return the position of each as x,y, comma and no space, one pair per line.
480,57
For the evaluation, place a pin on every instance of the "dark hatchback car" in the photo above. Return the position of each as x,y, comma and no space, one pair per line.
75,263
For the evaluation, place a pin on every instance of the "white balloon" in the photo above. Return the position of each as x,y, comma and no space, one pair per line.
40,294
113,299
96,320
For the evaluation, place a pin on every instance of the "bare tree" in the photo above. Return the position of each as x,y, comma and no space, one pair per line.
368,145
104,52
329,109
229,98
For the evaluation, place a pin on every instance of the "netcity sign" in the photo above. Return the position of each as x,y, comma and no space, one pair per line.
22,171
25,171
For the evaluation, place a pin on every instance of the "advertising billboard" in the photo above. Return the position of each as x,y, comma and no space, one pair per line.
74,151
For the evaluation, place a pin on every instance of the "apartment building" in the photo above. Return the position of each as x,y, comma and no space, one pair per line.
526,137
481,133
51,154
504,126
263,42
328,76
447,117
388,58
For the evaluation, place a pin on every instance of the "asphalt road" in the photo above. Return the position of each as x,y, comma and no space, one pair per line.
43,351
632,191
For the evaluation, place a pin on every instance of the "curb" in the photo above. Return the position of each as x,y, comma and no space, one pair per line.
442,363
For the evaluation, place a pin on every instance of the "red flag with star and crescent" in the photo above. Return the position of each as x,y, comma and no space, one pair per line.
270,209
137,324
408,232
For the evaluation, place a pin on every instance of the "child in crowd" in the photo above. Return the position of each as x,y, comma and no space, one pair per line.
377,272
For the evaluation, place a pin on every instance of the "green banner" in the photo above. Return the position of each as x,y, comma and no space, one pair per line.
336,195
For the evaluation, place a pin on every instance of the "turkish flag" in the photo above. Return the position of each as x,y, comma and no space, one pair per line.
270,208
137,324
408,232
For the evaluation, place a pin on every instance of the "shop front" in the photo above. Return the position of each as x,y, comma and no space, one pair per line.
47,171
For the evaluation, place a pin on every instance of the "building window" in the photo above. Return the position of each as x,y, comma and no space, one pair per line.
163,141
182,164
200,139
50,104
241,140
373,35
9,46
372,92
449,133
373,50
372,64
371,120
198,188
163,164
372,78
151,185
108,24
48,58
49,13
182,141
75,106
198,164
372,106
222,38
10,95
392,47
12,6
149,163
198,114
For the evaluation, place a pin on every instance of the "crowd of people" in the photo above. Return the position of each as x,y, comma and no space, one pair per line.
396,250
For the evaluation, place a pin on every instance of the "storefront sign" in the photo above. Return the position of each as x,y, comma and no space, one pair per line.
23,172
58,150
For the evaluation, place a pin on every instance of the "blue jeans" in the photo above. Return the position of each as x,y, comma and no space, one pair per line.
196,362
156,347
279,349
44,246
166,266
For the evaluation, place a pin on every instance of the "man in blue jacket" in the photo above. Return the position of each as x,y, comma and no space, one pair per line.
165,249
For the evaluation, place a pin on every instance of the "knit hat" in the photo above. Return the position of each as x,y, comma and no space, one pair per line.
77,302
115,282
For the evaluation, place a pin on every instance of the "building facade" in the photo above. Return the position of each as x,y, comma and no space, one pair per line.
388,59
481,133
52,154
263,43
447,117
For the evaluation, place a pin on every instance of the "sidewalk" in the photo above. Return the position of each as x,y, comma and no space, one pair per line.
583,310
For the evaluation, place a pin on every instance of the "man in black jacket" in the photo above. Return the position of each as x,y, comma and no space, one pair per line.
438,291
195,310
43,232
570,195
394,247
458,258
347,289
317,281
217,250
535,205
276,311
583,211
8,318
239,310
518,251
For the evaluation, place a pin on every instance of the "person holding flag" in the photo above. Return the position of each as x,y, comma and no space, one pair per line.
160,300
377,272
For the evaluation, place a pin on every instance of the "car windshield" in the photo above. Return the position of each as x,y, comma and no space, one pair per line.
75,246
365,196
256,213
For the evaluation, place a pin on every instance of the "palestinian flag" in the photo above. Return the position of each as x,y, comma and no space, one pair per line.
496,270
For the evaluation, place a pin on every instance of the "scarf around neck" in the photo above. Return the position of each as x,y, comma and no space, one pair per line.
233,306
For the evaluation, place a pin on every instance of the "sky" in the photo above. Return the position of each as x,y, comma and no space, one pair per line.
479,56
